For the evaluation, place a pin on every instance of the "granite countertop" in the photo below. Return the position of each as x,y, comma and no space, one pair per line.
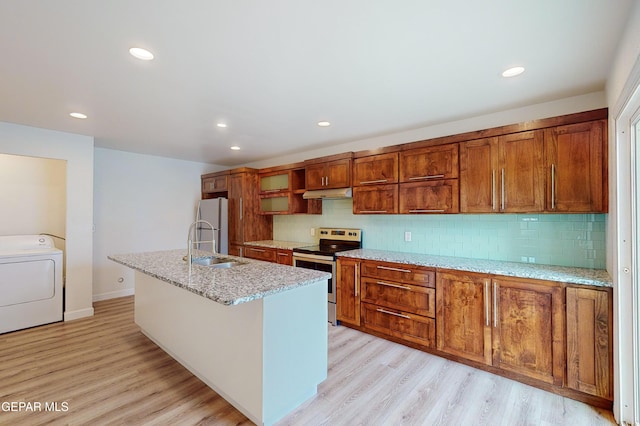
285,245
228,286
584,276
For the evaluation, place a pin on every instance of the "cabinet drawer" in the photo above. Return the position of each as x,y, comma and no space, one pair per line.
410,298
399,272
260,253
284,257
396,323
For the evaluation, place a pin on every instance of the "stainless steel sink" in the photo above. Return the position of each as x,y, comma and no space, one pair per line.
215,262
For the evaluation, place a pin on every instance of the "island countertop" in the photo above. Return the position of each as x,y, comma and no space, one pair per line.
229,286
583,276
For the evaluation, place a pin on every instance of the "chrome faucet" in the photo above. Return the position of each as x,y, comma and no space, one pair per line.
197,241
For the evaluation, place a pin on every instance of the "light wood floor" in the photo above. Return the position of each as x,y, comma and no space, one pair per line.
109,373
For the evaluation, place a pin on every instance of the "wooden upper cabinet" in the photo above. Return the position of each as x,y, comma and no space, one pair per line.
328,175
589,341
478,169
348,291
437,196
522,172
375,199
463,303
503,174
379,169
576,166
434,162
528,329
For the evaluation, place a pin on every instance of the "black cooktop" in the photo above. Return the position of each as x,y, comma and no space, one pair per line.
329,247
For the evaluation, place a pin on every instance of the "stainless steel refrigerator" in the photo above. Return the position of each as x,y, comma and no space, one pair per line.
216,212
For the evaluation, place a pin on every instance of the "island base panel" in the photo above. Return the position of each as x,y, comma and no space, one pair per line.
265,357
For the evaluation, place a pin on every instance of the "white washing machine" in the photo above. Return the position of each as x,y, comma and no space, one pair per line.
30,282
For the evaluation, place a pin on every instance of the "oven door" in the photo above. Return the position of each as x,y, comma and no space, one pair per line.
320,263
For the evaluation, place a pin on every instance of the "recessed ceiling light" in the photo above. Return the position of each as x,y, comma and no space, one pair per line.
512,72
223,125
324,124
141,53
235,148
78,115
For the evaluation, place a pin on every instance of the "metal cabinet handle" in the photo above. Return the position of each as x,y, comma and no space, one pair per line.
387,268
495,303
502,198
254,249
367,182
553,187
373,211
356,279
486,303
426,177
326,179
404,287
384,311
240,208
426,211
282,254
493,189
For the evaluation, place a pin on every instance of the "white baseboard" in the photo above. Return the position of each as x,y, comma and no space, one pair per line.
81,313
114,294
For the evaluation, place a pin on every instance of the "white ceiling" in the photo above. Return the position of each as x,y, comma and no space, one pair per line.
272,69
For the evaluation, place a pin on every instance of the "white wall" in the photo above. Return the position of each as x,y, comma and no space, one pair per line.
34,194
141,203
77,151
555,108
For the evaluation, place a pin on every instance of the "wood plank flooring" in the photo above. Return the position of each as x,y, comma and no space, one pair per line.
102,370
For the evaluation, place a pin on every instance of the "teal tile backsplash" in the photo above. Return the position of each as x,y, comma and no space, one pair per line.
553,239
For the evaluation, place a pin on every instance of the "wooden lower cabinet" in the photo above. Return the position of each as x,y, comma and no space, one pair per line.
260,253
589,338
236,250
464,315
348,291
528,328
284,257
512,324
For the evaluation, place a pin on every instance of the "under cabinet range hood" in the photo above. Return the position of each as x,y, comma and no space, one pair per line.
328,193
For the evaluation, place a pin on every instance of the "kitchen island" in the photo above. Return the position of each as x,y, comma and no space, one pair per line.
256,332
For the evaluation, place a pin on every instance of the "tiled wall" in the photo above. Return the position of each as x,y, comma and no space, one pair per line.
554,239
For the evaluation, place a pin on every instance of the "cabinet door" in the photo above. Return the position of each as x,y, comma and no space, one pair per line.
348,291
375,199
236,250
576,168
236,207
436,162
215,184
521,172
589,358
463,315
528,329
338,174
314,176
478,176
440,196
376,169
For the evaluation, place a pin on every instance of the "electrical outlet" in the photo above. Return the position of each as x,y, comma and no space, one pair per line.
312,232
523,259
532,260
407,236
